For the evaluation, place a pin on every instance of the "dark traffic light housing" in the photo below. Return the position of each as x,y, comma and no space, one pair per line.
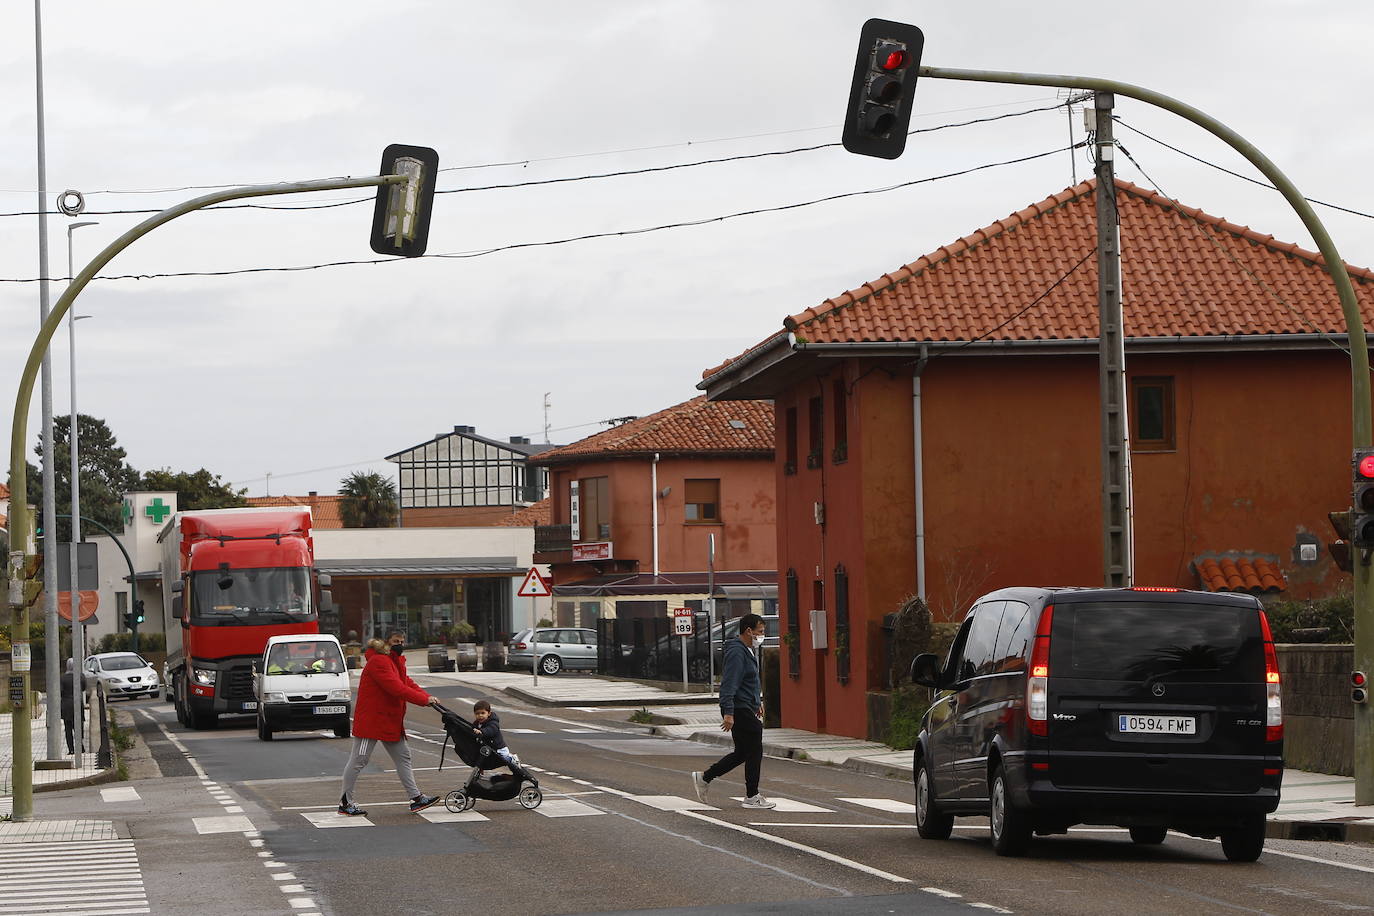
400,220
1359,687
884,86
1362,518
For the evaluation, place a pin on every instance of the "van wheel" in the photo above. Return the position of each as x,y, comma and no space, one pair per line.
264,733
931,822
1011,827
1244,840
343,731
698,668
550,664
1148,836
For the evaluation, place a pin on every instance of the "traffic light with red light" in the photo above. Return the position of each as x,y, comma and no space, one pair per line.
1359,687
884,86
1362,519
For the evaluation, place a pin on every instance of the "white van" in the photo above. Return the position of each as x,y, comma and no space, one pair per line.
301,683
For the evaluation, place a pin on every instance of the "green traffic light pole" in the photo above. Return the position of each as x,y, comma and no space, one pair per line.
1359,352
20,523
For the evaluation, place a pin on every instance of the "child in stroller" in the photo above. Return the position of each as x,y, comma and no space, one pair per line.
477,752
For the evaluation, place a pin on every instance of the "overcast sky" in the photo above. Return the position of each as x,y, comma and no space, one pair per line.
309,375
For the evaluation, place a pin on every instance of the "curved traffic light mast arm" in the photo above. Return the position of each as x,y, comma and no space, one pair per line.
20,523
114,537
1359,352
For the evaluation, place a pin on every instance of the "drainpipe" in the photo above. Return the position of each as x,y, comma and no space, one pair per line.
653,498
919,472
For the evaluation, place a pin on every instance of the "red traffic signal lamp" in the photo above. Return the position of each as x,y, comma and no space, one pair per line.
1359,687
1362,518
880,96
400,221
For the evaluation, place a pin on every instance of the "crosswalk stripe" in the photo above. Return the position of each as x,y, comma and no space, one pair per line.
42,879
882,804
566,807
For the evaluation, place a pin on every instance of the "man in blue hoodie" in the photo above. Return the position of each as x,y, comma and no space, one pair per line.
741,710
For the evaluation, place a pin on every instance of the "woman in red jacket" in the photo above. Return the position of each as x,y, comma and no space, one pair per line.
379,715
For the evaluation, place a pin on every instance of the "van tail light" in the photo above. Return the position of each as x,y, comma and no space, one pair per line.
1038,684
1273,720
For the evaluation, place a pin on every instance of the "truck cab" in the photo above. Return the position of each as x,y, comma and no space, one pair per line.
301,684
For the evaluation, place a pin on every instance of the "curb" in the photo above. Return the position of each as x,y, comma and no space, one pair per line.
104,776
671,700
1327,831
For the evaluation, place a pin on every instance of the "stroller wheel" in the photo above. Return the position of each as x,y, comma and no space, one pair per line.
472,803
530,797
457,801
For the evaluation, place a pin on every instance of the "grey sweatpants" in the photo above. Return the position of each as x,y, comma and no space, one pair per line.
362,753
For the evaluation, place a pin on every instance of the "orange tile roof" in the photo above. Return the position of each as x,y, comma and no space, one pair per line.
1238,572
695,427
1185,274
540,513
324,510
5,491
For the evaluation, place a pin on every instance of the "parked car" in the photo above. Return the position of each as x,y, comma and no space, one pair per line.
123,674
1153,709
559,648
664,659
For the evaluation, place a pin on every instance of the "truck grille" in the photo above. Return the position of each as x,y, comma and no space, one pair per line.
238,683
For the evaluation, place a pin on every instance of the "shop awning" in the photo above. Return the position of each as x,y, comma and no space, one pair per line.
732,584
423,566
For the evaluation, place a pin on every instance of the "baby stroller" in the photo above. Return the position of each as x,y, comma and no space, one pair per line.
477,753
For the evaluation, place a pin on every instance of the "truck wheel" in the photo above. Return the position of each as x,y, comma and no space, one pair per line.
203,720
264,733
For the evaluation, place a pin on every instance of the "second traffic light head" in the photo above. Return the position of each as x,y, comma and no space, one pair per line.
1362,518
884,84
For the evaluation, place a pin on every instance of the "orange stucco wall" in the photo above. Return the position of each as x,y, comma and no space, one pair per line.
1012,490
745,536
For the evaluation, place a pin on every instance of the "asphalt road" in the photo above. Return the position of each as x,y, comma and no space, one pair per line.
620,831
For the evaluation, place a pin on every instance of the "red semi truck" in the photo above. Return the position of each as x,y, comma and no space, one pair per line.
232,579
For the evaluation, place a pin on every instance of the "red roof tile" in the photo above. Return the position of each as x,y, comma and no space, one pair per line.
324,510
5,491
1184,274
540,513
1235,572
696,427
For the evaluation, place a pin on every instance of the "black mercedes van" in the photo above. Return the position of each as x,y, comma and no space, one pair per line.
1153,709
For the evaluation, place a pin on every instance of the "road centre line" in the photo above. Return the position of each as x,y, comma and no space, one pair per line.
800,847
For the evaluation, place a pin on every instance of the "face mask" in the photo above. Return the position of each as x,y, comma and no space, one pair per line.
397,650
758,640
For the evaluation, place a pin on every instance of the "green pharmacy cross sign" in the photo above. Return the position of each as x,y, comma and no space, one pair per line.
127,512
157,510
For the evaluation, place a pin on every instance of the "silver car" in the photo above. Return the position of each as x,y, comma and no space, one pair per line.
559,648
123,674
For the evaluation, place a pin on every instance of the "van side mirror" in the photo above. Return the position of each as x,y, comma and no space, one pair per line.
925,670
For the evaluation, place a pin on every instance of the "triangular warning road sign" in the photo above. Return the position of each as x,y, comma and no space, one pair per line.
534,586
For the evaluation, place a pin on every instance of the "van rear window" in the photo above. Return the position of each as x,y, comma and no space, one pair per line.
1139,641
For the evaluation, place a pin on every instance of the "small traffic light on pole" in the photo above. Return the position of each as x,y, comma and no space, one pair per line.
400,221
1359,687
884,86
1362,518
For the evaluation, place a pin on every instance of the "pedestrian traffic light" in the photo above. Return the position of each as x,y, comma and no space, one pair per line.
881,95
1362,519
400,221
1359,687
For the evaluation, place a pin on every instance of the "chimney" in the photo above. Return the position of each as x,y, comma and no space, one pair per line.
313,494
519,440
464,430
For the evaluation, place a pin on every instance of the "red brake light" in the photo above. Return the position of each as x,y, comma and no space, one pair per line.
1037,687
1273,723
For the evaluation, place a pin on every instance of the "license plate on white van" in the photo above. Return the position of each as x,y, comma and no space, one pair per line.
1157,725
330,710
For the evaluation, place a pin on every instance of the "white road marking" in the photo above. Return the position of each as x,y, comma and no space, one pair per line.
521,731
123,793
788,806
566,807
883,804
232,823
846,826
801,847
438,815
43,880
672,803
335,819
938,892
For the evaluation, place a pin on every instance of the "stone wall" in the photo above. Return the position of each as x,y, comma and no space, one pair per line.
1318,721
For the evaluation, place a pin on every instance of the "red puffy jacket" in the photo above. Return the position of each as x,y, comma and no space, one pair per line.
383,693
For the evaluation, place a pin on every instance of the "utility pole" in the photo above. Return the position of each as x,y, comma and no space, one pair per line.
1117,564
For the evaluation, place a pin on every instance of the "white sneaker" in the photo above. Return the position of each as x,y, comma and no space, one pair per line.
701,786
758,801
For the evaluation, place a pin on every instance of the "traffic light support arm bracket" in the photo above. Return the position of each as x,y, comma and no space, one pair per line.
1359,351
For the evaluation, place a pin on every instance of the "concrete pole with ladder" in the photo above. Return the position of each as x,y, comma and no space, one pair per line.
1117,562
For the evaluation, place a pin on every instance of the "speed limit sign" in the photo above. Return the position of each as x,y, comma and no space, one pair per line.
682,621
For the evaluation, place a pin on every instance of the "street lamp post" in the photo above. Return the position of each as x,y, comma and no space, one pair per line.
73,591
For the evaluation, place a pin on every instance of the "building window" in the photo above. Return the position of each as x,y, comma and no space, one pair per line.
1152,414
701,502
790,431
839,404
816,432
841,624
793,624
594,509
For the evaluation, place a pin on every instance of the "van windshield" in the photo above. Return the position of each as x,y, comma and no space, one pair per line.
312,656
1146,641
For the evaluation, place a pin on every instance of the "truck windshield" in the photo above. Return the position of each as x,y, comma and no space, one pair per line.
251,596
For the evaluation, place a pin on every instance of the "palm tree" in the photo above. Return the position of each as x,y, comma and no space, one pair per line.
369,501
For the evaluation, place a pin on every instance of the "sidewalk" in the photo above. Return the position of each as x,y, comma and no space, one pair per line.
44,780
1314,806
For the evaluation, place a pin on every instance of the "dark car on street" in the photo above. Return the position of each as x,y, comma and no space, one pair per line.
1153,709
